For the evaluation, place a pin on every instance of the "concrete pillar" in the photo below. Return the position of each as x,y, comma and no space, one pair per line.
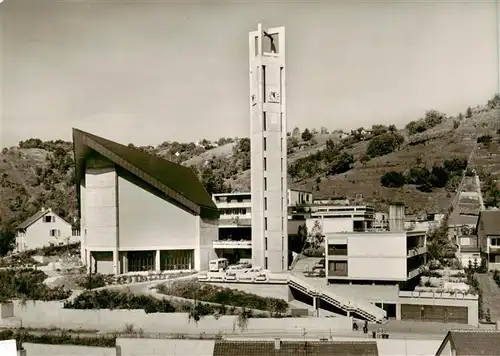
398,311
124,263
314,303
116,262
88,260
157,261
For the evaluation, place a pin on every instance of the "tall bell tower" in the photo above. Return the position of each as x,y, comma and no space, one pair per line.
268,137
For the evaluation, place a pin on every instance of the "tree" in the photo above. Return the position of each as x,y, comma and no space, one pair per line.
392,128
7,239
243,145
307,135
342,163
439,177
378,130
468,112
296,133
213,183
384,144
393,179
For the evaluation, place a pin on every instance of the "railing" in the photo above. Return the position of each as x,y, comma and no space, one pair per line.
233,243
337,273
363,308
437,295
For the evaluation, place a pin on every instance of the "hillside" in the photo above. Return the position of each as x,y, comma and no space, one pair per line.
37,173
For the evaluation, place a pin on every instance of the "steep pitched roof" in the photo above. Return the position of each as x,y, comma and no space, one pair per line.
35,217
472,342
295,348
491,221
179,183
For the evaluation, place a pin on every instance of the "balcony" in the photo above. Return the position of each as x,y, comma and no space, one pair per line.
337,250
232,244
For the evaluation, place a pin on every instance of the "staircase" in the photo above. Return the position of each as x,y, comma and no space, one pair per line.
364,309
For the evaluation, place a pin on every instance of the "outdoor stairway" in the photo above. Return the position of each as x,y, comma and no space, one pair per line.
362,308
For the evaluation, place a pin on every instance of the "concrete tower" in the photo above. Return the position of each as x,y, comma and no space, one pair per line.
268,136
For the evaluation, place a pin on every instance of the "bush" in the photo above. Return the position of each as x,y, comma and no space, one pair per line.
106,299
223,296
61,337
91,282
307,135
393,179
28,283
496,277
486,139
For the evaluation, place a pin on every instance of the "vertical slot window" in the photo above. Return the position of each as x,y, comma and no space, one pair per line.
263,84
265,183
264,143
265,244
264,119
265,223
265,203
265,163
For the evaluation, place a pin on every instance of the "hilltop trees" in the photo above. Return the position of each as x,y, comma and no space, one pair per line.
424,178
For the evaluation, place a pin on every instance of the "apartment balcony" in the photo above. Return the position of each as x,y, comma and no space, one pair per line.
235,221
416,251
228,244
494,249
234,204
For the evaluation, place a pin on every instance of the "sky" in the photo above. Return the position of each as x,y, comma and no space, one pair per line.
152,71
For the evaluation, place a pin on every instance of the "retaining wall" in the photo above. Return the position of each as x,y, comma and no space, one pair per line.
52,314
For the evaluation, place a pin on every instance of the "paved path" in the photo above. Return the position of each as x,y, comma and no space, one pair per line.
491,295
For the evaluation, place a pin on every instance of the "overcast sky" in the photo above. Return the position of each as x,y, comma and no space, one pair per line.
149,71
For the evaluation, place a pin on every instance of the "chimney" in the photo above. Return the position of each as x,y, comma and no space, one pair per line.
277,343
397,217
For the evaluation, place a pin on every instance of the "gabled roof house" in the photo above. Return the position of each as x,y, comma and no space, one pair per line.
140,212
488,235
42,229
470,343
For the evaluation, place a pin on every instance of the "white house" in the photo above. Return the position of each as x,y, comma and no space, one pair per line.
334,218
140,212
43,229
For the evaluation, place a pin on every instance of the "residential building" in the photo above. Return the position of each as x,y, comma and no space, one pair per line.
341,218
268,137
44,228
294,348
235,222
140,212
299,197
470,343
468,250
381,221
488,234
375,257
235,226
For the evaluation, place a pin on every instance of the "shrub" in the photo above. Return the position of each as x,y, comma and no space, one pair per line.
223,296
106,299
393,179
486,139
91,282
59,337
28,283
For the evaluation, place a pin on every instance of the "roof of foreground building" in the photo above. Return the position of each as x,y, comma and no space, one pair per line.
295,348
177,182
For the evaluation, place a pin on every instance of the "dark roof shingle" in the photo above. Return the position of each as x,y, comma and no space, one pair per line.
491,221
295,348
176,177
473,342
26,223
